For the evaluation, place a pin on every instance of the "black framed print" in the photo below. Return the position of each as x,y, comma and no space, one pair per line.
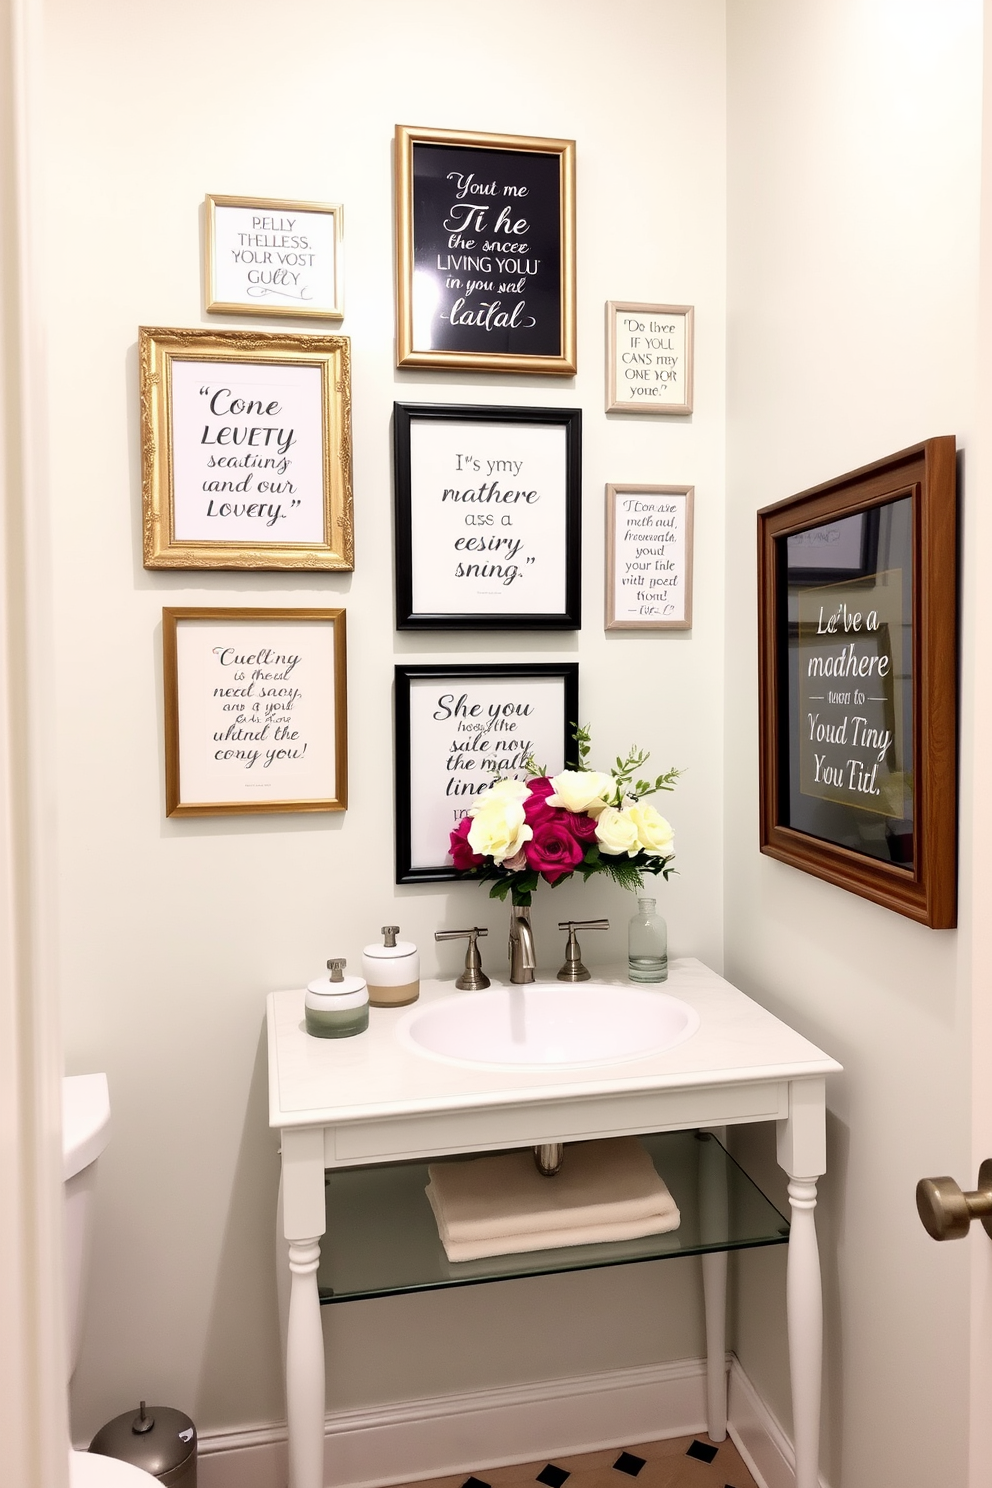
488,517
485,251
460,728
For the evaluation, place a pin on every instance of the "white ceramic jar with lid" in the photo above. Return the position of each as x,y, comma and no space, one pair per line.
392,970
337,1006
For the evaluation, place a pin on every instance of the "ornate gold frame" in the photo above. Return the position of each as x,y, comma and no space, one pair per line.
174,805
238,307
468,361
159,347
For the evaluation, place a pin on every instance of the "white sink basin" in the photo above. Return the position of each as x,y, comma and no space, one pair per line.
549,1024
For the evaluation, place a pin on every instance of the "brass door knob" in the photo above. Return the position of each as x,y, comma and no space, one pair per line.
947,1213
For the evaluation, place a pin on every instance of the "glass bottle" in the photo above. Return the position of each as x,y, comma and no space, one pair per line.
647,944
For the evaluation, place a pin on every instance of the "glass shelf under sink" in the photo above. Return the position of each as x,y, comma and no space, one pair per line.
381,1237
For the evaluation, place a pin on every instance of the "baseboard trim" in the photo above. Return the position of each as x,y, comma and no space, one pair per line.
758,1435
410,1440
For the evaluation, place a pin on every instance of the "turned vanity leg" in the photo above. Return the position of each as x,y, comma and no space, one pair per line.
804,1301
303,1226
802,1153
713,1230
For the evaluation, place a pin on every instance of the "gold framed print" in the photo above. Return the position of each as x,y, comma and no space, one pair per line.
485,251
648,358
246,450
274,257
255,710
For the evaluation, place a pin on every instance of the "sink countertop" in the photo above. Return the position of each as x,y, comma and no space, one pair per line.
371,1076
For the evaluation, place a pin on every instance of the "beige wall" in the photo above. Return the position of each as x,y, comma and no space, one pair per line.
854,133
171,932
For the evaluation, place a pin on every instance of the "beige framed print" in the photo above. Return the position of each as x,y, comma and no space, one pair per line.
485,251
274,257
648,557
246,450
648,358
255,711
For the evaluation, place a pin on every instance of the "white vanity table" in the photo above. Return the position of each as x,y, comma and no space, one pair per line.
357,1102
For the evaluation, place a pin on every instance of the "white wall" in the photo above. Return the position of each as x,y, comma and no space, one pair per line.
171,932
854,137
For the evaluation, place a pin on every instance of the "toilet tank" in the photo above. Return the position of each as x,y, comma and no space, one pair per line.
85,1133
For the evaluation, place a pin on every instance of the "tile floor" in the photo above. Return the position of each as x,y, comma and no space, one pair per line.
680,1462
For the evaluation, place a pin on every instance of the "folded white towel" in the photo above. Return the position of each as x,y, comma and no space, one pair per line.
606,1190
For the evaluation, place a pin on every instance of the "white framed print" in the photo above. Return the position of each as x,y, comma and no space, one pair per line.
255,710
648,557
648,358
274,257
246,449
488,517
459,729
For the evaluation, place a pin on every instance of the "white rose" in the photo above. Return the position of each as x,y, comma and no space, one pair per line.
581,790
654,833
502,790
616,832
498,829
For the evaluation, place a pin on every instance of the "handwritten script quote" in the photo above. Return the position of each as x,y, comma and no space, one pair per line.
256,710
466,735
650,557
247,452
487,250
488,518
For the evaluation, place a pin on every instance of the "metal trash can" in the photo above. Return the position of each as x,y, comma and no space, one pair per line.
160,1440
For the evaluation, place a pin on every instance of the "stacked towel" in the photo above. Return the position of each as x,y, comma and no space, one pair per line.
606,1190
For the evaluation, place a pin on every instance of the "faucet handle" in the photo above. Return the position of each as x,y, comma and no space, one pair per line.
473,978
573,969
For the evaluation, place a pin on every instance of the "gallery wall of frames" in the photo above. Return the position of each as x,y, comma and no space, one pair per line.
246,440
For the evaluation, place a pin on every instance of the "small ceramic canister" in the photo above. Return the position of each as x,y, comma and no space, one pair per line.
337,1006
392,970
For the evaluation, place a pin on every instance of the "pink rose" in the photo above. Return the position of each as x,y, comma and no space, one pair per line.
540,786
584,827
554,851
461,854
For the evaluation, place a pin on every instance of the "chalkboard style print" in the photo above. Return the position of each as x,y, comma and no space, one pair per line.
488,517
858,697
485,232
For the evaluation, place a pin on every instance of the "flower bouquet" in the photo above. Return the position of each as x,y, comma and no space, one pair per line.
581,821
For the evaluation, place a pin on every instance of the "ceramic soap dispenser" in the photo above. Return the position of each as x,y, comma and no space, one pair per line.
337,1006
392,970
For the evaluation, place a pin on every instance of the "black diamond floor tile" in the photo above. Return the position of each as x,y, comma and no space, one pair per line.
702,1451
552,1476
474,1482
629,1464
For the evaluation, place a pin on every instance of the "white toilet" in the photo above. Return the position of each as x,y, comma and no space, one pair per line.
85,1133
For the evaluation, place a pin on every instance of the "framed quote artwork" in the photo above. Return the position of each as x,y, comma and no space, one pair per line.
246,450
485,251
256,711
649,557
488,517
460,728
858,693
648,358
274,257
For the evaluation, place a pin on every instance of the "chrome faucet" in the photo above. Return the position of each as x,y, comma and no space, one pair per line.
522,958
